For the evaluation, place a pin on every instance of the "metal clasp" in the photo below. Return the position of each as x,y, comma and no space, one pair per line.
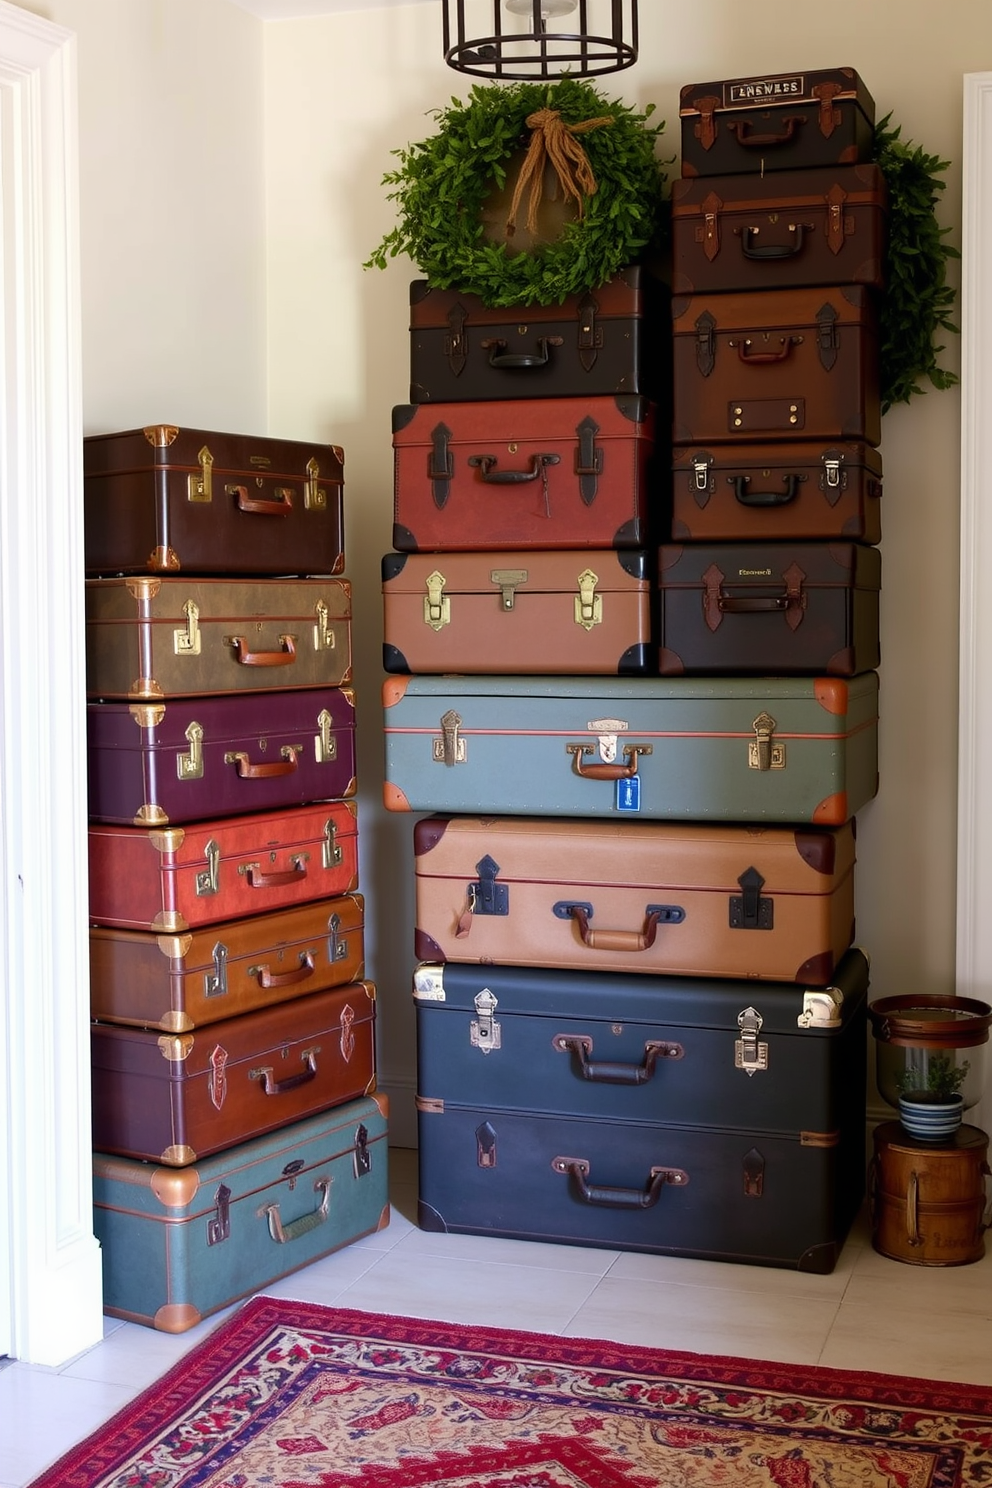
325,744
507,579
486,896
190,766
200,487
323,635
337,946
216,985
208,881
219,1228
449,749
762,752
437,605
701,473
588,604
484,1031
314,495
749,1054
821,1008
331,853
186,639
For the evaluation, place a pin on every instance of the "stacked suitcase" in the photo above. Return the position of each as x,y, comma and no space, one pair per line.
236,1128
641,1017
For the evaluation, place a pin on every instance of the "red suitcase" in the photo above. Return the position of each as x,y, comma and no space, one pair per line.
194,759
785,230
538,473
181,981
164,499
773,364
787,119
176,1097
175,878
795,489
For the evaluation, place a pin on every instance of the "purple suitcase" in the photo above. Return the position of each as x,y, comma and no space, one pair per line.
150,764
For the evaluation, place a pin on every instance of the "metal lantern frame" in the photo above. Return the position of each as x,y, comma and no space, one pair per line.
586,52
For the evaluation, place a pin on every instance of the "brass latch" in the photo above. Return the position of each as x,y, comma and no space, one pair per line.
200,487
588,604
762,752
208,881
450,748
325,744
821,1008
190,766
314,495
749,1054
484,1031
186,639
323,635
508,579
437,605
700,478
332,854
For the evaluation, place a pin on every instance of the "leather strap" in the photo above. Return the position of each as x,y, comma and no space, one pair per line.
588,459
590,336
829,116
440,465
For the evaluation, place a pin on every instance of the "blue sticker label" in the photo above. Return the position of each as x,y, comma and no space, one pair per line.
629,793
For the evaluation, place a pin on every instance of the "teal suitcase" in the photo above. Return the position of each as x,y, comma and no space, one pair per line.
761,749
181,1243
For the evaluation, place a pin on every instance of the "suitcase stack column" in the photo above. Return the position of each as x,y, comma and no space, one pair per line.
236,1128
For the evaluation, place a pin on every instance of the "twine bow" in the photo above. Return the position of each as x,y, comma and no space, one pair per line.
554,140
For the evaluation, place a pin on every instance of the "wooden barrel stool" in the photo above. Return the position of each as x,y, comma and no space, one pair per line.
927,1201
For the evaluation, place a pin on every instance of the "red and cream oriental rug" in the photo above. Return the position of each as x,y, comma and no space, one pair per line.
289,1395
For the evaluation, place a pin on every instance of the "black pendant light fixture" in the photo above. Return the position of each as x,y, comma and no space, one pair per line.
535,39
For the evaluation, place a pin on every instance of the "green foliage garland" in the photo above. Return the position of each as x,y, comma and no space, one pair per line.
916,301
442,183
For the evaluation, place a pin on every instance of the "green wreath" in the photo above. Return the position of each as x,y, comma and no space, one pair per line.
442,184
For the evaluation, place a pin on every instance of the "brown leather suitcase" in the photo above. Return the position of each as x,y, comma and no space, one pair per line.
164,499
927,1200
149,637
179,981
176,1097
789,609
605,342
525,473
774,364
786,230
522,612
169,879
793,489
679,898
756,124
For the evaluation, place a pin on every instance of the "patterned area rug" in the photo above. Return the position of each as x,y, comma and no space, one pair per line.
290,1395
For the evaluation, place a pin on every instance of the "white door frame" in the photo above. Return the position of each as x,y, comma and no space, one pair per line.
50,1283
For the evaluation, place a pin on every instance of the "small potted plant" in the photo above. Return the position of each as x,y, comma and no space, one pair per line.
931,1103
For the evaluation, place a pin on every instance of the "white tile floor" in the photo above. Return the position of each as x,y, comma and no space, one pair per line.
870,1313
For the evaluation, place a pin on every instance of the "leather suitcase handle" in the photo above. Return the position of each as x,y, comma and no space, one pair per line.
747,497
302,973
774,250
247,771
608,1072
244,657
520,360
742,129
291,1082
764,358
486,466
603,771
615,940
283,1234
256,879
751,604
576,1169
280,506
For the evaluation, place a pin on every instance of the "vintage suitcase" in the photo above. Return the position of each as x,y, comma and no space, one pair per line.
542,473
175,1098
523,611
196,759
928,1200
149,638
773,608
605,342
164,499
180,1243
776,364
182,980
769,749
679,899
169,879
790,490
786,230
784,120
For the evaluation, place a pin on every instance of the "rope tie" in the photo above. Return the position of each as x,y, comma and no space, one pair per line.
553,140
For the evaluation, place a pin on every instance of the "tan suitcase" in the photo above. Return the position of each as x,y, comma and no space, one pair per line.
685,899
585,612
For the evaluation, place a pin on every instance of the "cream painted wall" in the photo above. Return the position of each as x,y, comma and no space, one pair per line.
341,93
